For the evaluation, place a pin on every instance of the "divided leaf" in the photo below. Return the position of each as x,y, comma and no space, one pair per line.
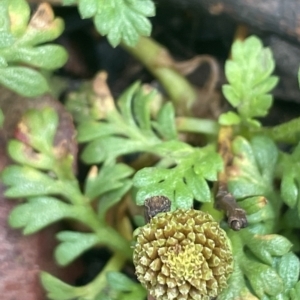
72,245
265,247
120,287
288,268
121,20
295,292
258,252
183,182
253,166
112,197
19,45
128,130
264,267
236,289
109,178
107,149
37,129
24,81
290,179
57,289
28,182
250,81
263,279
39,212
251,179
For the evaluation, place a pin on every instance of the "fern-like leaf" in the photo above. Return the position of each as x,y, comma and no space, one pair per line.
21,42
121,20
250,81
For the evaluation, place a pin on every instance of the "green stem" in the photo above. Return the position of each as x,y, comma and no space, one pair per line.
131,131
288,132
106,234
114,241
159,62
195,125
90,291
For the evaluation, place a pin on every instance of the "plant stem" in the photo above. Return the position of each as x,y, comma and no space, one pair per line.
106,234
160,63
115,263
113,240
195,125
288,132
131,131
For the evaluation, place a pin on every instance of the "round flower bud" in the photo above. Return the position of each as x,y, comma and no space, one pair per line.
183,255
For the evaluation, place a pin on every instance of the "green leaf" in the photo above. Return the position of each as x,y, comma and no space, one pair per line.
39,128
18,38
265,86
91,130
228,119
123,20
69,2
22,154
120,287
24,81
19,12
56,289
266,246
233,73
266,155
128,130
290,178
38,213
250,80
184,182
125,104
4,17
263,279
289,189
261,264
141,109
236,288
254,166
25,181
252,47
120,282
110,147
111,198
87,8
258,209
165,123
295,292
53,56
6,39
3,62
72,245
288,268
34,149
109,178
